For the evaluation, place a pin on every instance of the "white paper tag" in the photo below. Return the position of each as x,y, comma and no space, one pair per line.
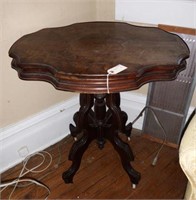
117,69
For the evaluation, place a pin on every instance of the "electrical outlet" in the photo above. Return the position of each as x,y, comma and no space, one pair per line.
23,151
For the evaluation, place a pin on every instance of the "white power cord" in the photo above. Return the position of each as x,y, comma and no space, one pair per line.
160,125
33,170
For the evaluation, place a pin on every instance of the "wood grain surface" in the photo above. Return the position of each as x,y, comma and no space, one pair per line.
76,57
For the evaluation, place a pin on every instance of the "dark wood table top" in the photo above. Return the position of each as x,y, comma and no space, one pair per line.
76,57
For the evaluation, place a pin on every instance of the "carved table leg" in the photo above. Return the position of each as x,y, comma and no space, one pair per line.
79,147
123,149
100,123
76,153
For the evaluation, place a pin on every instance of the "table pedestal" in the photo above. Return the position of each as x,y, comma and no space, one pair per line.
100,117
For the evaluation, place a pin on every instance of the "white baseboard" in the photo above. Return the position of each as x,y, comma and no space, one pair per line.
50,126
36,133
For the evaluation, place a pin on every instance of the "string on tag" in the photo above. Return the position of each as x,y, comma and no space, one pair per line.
114,70
108,87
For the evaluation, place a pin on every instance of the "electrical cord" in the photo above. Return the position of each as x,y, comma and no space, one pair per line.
25,171
160,125
5,185
16,182
55,167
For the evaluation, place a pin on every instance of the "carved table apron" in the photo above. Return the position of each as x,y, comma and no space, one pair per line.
77,58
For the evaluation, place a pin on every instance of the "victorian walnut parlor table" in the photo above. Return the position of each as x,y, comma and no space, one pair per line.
79,58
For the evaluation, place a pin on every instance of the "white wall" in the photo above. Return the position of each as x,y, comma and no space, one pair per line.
170,12
154,12
22,99
105,10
